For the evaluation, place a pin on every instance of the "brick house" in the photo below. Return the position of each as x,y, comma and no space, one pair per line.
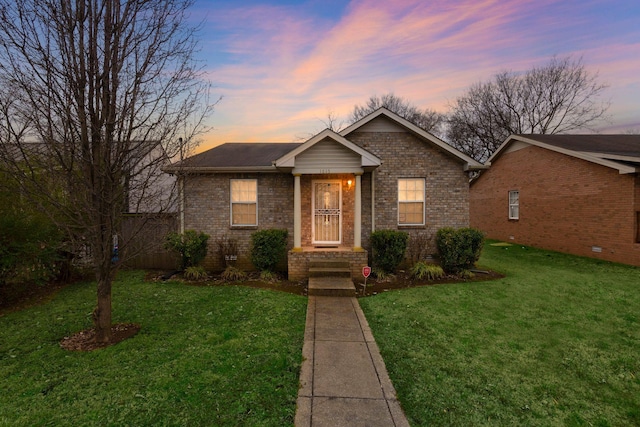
578,194
329,192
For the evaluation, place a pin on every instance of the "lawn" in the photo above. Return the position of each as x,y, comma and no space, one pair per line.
556,342
204,356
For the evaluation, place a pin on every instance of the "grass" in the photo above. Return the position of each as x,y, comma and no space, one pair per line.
556,342
204,356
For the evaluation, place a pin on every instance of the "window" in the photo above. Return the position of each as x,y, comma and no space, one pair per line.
411,201
244,202
514,204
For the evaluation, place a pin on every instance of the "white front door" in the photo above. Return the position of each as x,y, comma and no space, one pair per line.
327,213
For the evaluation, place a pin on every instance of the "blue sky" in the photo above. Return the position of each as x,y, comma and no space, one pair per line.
282,66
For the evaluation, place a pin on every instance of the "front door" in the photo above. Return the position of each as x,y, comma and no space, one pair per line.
327,213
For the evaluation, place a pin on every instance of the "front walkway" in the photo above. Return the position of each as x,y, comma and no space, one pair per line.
343,380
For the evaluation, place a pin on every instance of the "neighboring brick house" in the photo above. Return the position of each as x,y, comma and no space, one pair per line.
578,194
329,192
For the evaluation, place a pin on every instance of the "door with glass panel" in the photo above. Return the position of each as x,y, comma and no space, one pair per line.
327,213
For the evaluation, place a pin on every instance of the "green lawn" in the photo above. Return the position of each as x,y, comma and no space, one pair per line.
204,356
556,342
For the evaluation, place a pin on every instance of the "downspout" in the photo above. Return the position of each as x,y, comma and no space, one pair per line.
373,201
181,197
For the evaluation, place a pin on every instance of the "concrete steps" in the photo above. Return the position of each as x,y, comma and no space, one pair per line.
330,278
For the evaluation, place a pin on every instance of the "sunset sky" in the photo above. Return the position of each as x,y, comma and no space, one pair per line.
282,66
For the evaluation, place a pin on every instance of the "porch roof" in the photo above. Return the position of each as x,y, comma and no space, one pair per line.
337,148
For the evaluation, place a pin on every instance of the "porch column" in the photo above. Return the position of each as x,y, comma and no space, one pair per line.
357,225
297,213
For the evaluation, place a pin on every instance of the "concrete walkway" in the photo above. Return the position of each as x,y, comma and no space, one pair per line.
343,380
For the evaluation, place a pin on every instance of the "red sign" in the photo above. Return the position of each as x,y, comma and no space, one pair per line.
366,271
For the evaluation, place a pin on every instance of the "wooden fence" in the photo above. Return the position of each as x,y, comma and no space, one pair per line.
143,238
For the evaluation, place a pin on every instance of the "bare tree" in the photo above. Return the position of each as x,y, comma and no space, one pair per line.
427,119
96,96
559,97
333,122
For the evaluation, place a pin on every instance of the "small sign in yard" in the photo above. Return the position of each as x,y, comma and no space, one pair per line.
366,272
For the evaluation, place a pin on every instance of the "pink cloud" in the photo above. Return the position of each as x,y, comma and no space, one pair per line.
291,68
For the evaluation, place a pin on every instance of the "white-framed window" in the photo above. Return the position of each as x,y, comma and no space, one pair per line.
244,202
411,201
514,204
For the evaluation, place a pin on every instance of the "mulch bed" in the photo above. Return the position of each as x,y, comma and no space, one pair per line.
401,280
404,280
85,340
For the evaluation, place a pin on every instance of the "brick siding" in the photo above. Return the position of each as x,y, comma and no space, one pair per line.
566,204
207,209
406,156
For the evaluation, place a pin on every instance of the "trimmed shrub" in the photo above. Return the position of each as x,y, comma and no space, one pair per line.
268,248
388,248
192,247
422,270
459,249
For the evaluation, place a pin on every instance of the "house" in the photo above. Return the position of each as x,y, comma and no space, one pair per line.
150,210
147,189
329,192
578,194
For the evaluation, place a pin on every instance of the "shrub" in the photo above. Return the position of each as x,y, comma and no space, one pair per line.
269,247
29,249
233,274
381,275
227,250
192,247
268,276
195,273
388,247
466,275
422,270
459,249
418,246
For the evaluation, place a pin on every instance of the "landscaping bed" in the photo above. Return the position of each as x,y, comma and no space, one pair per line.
401,280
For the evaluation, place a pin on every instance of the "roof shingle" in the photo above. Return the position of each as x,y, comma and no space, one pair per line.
616,145
239,155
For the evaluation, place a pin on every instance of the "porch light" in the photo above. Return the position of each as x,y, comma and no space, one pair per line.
349,182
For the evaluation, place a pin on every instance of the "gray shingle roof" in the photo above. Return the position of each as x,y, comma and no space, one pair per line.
616,145
238,155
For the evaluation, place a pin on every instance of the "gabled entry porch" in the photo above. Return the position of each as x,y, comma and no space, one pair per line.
327,226
327,202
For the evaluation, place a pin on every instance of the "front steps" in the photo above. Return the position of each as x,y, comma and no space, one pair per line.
330,277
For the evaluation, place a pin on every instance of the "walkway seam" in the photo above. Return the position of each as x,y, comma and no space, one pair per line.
305,400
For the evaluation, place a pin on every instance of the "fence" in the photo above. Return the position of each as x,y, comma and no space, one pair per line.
143,241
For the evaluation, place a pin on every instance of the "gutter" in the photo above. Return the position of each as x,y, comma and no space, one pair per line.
230,169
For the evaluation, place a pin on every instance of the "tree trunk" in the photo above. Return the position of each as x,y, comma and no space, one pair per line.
102,312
